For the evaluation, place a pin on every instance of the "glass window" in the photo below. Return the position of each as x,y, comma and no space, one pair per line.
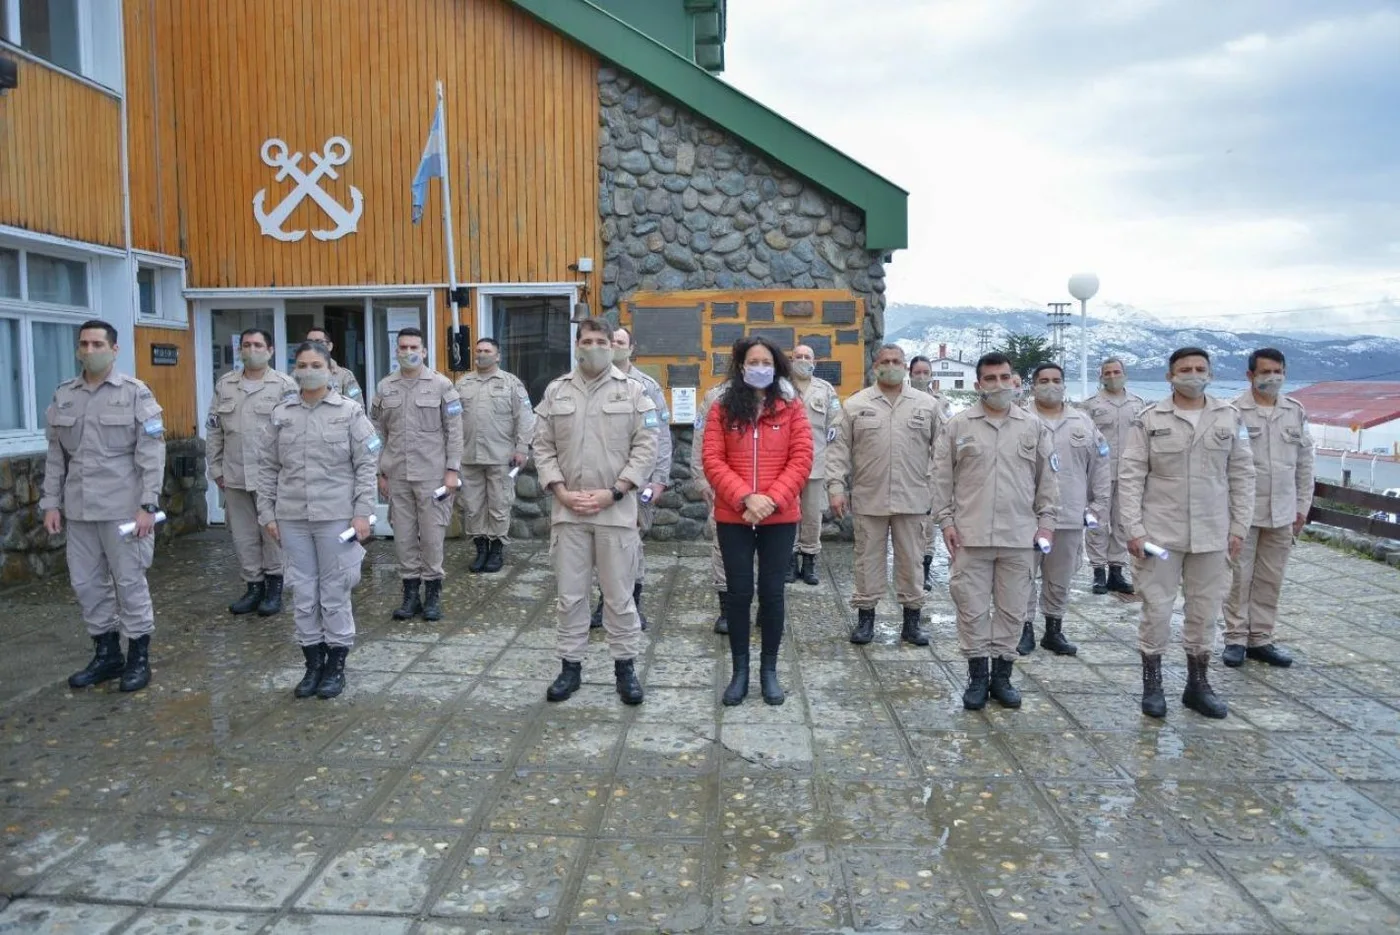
9,274
146,292
55,359
56,281
11,389
957,384
49,29
536,338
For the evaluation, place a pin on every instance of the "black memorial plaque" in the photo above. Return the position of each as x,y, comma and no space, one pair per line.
838,313
802,309
682,375
724,310
725,335
819,343
830,371
760,311
719,364
669,332
783,337
848,337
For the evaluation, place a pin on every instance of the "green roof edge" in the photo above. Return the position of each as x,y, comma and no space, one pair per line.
885,204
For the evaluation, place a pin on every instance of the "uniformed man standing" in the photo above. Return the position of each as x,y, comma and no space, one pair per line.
1113,410
497,427
1081,462
596,443
239,413
884,444
342,378
1186,478
823,405
1283,490
921,378
105,467
995,494
697,472
417,413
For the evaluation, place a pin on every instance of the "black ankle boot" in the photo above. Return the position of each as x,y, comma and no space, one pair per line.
1233,655
865,626
432,599
272,596
913,633
722,621
791,575
412,604
1199,696
1054,638
315,657
482,547
137,673
495,557
637,599
625,673
738,688
249,601
1027,644
333,672
1270,653
1116,582
1001,688
768,679
595,620
978,684
928,572
566,683
808,574
1154,703
1100,580
106,663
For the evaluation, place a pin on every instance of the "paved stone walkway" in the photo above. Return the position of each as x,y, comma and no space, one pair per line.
443,795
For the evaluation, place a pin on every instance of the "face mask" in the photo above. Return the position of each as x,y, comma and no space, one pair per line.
890,374
921,383
998,399
804,368
1114,384
1192,386
1049,394
760,378
254,358
1269,385
312,379
594,360
95,362
621,355
410,360
485,361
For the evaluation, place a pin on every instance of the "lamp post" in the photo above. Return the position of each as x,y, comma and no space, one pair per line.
1083,286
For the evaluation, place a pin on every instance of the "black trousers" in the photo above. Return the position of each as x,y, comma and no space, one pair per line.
739,544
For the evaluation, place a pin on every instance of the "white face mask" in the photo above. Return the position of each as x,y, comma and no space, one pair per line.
1269,384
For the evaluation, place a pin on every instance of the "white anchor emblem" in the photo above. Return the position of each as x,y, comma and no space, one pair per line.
336,152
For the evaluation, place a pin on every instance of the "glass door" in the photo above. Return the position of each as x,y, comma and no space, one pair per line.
536,338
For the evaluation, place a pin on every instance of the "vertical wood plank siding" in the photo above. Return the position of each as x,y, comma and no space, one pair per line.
172,386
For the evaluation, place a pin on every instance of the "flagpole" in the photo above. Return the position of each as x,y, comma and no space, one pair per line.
447,218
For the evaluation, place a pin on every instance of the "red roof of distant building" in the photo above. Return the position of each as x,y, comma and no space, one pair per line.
1362,403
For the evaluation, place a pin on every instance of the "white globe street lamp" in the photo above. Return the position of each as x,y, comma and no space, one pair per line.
1083,286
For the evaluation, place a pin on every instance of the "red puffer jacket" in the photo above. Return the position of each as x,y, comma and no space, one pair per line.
772,458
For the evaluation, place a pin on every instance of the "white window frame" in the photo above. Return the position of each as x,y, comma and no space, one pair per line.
168,292
485,293
10,34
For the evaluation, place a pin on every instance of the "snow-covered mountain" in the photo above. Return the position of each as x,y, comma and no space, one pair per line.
1144,342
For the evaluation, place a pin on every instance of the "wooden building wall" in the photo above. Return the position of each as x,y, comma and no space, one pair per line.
173,386
210,81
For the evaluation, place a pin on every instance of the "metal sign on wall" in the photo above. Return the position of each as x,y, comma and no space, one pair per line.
335,153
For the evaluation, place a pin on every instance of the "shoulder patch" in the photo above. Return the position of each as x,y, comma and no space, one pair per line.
1103,448
354,392
650,420
154,427
373,443
453,408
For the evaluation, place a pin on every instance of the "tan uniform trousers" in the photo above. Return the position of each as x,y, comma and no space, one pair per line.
1205,576
646,513
930,533
108,574
716,557
1252,608
1056,571
321,571
258,553
420,526
809,531
487,493
982,577
576,550
1106,545
872,535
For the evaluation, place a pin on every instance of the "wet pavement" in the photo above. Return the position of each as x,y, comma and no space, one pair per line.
441,794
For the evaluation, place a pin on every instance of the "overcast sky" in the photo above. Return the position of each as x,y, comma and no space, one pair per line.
1208,159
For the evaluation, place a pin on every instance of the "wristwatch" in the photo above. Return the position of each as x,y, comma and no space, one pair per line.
617,495
151,508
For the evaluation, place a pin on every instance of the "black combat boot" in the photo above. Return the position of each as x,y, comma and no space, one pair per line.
432,599
482,547
595,620
1027,644
738,688
808,574
913,632
1233,656
1271,654
1001,688
865,626
791,575
1154,702
625,673
768,679
566,683
315,657
107,662
1116,582
249,601
495,557
978,684
272,596
1054,638
637,599
137,674
333,672
412,604
722,621
1199,696
928,572
1100,580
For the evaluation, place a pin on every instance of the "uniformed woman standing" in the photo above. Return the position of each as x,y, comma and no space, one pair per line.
315,481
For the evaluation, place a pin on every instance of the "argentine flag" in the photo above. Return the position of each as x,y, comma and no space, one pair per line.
431,165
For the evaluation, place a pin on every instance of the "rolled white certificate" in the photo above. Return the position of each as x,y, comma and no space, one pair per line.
1155,550
513,472
1042,543
647,495
1090,520
127,530
348,535
441,493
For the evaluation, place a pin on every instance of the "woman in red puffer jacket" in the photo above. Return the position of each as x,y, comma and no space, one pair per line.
758,453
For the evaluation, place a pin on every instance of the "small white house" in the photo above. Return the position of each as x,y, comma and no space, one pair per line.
952,372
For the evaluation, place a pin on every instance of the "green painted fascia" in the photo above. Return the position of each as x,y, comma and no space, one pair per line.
885,204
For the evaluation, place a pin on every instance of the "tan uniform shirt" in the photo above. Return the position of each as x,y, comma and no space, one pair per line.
994,481
590,434
318,461
1113,416
236,422
343,382
1082,460
823,406
1283,459
1183,487
420,421
661,472
886,450
943,404
697,442
497,420
106,449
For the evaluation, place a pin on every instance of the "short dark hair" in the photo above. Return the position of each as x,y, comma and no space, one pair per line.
1267,353
315,347
315,328
993,359
595,324
99,323
1046,365
247,331
408,333
491,341
1181,352
920,359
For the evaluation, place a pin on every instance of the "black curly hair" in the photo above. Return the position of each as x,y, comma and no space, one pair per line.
739,404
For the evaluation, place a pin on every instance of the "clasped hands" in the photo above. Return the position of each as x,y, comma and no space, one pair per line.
758,507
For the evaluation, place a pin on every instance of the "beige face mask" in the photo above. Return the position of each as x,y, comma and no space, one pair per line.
594,360
95,362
